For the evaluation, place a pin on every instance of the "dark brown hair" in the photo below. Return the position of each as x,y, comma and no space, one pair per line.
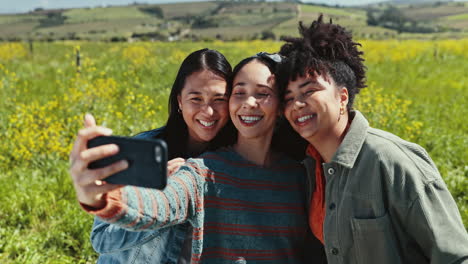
323,48
284,139
176,131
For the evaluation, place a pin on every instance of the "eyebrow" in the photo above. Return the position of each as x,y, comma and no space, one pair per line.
199,93
257,85
304,84
238,83
265,86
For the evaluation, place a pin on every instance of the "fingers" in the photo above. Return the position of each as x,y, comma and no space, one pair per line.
89,120
174,164
93,196
102,173
96,153
88,185
89,176
176,160
92,132
98,190
84,135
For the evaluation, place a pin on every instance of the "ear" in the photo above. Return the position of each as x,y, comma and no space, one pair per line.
179,101
344,96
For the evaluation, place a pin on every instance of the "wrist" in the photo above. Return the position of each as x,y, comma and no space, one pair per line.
97,205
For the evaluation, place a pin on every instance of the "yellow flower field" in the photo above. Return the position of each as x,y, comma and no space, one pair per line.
417,90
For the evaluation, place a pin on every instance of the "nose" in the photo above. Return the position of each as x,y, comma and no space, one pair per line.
208,109
298,104
250,102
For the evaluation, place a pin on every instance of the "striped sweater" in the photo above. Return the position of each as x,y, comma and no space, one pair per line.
240,212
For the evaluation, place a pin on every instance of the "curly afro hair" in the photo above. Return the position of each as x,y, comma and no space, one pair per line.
323,48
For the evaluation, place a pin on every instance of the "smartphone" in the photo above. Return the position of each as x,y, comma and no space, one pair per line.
147,159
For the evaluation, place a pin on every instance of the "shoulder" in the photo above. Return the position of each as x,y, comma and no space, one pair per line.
220,158
194,162
195,166
155,133
295,170
285,163
402,161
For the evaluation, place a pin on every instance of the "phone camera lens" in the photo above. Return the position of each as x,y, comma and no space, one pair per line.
157,154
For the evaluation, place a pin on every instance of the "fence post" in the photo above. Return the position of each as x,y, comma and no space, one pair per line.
78,62
31,50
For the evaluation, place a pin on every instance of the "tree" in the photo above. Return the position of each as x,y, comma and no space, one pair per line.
267,34
393,18
371,19
153,10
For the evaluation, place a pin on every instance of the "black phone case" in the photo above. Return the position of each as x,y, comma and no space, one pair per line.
147,160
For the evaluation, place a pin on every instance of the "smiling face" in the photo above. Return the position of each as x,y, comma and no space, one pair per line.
204,105
254,102
313,105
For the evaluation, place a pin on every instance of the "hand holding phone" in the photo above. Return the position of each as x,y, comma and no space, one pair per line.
147,159
87,183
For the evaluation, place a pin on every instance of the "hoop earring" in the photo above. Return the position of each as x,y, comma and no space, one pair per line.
342,111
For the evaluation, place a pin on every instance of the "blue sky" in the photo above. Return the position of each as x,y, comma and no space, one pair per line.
21,6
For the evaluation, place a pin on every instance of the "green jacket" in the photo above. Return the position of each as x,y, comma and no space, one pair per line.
387,203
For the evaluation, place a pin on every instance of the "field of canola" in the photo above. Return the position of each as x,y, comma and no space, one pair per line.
417,90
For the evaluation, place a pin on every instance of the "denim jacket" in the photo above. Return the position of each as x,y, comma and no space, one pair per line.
118,245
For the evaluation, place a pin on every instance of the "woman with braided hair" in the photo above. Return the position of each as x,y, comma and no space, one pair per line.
375,198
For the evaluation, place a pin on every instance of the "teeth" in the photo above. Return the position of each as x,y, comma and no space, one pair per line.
250,119
207,124
304,118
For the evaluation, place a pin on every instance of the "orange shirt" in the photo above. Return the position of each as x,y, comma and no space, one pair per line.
317,203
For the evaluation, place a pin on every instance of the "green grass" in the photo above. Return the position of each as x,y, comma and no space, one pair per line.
171,11
440,102
23,29
332,11
251,20
84,15
230,17
42,223
258,8
40,219
463,16
103,29
355,22
235,32
432,12
12,19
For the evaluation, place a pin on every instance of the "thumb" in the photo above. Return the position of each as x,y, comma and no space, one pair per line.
89,120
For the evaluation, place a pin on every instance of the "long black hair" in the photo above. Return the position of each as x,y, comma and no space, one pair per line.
176,132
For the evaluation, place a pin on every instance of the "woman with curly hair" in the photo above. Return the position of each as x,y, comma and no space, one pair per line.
246,202
375,198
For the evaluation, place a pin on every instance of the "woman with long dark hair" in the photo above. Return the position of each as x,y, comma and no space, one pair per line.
246,202
198,121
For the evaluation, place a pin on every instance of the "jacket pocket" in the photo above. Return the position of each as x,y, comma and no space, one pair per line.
374,241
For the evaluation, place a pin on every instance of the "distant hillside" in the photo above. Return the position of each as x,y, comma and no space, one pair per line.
415,2
229,21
